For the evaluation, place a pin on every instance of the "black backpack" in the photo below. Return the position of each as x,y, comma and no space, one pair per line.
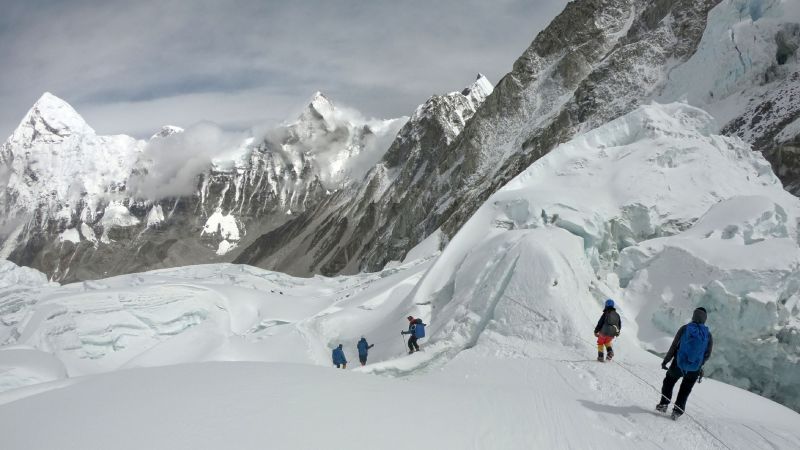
611,324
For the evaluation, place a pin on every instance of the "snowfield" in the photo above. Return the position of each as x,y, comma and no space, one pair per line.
477,402
652,209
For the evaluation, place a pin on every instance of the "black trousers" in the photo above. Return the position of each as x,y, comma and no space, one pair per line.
673,375
412,343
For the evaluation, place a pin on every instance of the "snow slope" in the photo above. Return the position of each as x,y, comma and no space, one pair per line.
510,302
476,403
651,209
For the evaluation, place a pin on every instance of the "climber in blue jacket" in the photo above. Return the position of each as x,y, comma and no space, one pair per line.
363,350
417,331
338,357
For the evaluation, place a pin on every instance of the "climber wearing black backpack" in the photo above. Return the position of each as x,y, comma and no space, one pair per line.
689,351
607,329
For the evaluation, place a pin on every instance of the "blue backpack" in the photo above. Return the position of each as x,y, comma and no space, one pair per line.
692,350
419,330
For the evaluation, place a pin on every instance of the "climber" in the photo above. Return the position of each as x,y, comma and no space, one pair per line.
689,352
608,327
338,357
363,350
417,331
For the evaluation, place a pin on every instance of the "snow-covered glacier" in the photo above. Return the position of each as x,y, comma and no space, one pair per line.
652,209
658,212
655,210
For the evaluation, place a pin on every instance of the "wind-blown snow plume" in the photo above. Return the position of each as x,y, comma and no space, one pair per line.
173,162
338,142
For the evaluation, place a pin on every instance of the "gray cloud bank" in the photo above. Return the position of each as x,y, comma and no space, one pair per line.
130,67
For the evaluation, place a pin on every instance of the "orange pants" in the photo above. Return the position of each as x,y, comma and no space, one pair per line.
604,342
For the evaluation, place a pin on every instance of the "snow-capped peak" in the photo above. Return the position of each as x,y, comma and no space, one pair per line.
318,113
167,130
321,105
479,89
51,119
56,160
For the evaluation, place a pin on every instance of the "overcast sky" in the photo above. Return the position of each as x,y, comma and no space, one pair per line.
132,66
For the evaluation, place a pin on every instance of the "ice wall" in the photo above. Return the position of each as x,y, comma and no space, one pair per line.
653,209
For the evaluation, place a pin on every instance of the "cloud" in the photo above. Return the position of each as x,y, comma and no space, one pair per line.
243,62
173,163
375,144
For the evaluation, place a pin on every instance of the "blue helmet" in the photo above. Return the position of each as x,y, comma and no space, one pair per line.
609,303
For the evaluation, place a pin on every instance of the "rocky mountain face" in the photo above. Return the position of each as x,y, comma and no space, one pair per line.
598,60
71,206
379,219
578,70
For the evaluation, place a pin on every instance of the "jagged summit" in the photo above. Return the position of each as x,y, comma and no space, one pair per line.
481,84
319,113
440,106
320,105
50,119
479,89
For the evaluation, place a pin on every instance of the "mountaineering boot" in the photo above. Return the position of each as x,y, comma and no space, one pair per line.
676,412
610,355
662,407
600,357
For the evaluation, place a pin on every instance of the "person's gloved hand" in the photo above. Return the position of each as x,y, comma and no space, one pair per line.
596,334
664,365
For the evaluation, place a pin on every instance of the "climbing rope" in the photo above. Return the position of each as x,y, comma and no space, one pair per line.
703,427
664,396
